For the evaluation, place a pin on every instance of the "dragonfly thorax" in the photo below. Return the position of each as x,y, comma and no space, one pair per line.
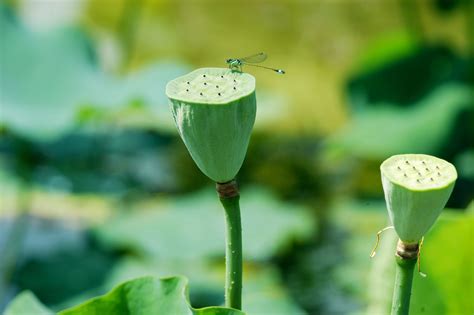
233,62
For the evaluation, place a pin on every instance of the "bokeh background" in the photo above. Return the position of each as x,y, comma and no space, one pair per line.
97,187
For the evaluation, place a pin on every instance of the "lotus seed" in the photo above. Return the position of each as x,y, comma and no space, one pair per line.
234,80
235,88
219,94
217,86
200,93
222,76
205,83
187,90
187,82
203,75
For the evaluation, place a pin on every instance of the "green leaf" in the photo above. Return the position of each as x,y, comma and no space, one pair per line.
193,227
43,77
26,303
446,258
385,50
141,296
426,126
51,83
402,73
263,292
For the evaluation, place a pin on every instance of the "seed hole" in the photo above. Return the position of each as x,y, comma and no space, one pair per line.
398,167
222,76
427,169
431,179
187,90
188,82
203,75
437,167
414,168
235,81
418,180
219,94
200,93
405,174
423,162
419,174
439,174
406,162
205,83
235,88
217,86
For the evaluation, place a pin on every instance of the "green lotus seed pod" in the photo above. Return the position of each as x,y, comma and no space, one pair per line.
214,110
416,188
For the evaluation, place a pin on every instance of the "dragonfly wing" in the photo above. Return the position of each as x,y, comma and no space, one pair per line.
257,58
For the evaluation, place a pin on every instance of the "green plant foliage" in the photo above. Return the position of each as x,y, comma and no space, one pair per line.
361,220
51,82
384,50
141,296
192,227
263,292
26,303
426,127
447,250
43,76
402,73
446,258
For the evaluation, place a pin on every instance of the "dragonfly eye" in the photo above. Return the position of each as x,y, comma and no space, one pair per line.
228,60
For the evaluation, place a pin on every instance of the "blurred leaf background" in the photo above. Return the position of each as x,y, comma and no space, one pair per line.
97,187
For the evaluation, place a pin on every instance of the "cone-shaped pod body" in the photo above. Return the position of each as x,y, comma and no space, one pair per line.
214,110
416,188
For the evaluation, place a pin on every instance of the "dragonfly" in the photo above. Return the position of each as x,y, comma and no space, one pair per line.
252,60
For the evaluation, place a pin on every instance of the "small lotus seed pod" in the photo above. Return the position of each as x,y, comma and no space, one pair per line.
416,188
214,110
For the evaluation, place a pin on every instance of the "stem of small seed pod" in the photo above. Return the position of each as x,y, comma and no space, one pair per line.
229,196
406,257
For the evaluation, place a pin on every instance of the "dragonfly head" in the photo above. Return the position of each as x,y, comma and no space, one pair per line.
229,61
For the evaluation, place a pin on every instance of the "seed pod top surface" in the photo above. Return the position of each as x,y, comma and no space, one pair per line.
214,110
213,86
419,172
416,188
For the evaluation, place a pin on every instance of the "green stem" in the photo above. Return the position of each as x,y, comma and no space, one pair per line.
233,256
403,284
